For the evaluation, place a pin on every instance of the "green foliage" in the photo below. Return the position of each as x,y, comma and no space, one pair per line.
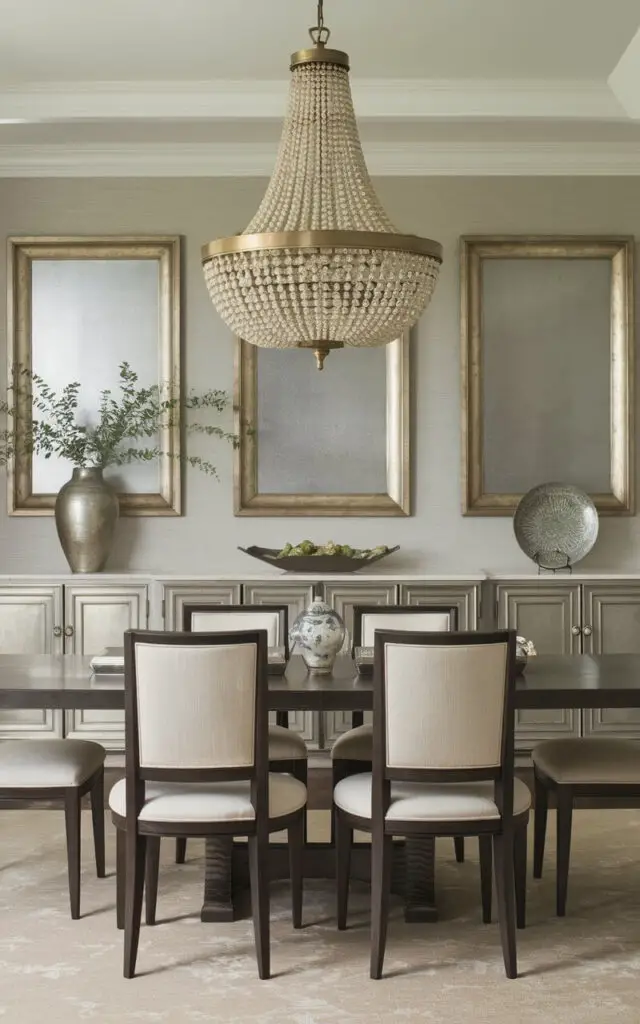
42,422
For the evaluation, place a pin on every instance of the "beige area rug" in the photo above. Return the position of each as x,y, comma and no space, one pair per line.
582,970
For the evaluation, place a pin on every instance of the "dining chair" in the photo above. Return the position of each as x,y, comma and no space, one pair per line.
287,749
196,715
443,764
593,767
59,770
352,752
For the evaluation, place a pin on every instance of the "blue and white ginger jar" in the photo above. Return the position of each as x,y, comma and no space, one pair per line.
318,635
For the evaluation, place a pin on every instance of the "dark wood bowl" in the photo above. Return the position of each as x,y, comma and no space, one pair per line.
313,563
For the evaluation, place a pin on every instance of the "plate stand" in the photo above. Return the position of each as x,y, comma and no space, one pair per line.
567,568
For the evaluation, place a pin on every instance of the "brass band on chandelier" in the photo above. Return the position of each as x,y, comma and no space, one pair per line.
319,55
323,240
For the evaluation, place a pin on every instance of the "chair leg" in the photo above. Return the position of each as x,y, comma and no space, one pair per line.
337,774
295,839
505,892
135,851
565,812
282,719
486,869
458,845
299,770
97,818
152,870
520,871
259,875
72,826
381,853
181,850
539,825
344,839
357,719
120,876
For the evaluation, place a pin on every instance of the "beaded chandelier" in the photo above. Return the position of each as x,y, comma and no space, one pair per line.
320,265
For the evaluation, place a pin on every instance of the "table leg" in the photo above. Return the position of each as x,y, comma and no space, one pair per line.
218,890
420,892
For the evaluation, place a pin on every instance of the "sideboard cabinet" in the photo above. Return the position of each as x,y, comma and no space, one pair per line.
561,614
564,616
68,618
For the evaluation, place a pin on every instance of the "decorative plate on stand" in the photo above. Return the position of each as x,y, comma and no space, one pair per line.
556,525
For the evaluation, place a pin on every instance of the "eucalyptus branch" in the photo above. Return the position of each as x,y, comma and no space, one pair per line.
43,422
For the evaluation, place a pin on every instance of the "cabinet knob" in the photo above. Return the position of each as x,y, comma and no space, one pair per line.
57,630
587,631
68,630
576,630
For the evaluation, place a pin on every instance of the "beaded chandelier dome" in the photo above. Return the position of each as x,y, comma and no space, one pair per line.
320,265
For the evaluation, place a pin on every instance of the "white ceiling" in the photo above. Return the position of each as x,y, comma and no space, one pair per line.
88,84
135,40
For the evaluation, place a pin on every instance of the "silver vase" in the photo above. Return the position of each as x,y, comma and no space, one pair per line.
86,515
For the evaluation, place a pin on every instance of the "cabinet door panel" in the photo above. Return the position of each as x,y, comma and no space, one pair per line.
98,617
465,598
297,597
28,616
175,597
612,614
545,614
343,597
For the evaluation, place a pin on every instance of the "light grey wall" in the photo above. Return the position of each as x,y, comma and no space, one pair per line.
436,538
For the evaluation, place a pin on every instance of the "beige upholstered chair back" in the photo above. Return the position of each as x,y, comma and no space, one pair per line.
196,705
420,621
444,704
225,622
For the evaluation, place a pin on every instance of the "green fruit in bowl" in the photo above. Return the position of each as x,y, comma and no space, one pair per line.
307,547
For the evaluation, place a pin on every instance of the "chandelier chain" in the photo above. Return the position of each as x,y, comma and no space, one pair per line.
320,33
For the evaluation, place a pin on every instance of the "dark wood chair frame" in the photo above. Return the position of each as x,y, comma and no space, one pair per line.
501,831
341,768
296,767
133,834
71,799
565,795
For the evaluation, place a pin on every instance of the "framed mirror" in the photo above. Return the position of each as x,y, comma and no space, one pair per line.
78,308
322,444
547,369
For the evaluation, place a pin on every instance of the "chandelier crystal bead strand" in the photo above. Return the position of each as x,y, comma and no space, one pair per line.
320,265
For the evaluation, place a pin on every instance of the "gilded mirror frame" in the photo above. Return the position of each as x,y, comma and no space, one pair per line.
474,250
22,252
248,501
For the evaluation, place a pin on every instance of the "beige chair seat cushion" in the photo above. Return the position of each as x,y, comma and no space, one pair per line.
417,801
221,801
48,764
285,744
589,761
354,745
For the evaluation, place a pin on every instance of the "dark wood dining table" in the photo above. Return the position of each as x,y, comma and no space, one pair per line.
549,681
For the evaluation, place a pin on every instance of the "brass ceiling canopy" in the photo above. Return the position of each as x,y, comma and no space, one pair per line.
320,266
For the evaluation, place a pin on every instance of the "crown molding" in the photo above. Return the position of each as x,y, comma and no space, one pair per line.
376,99
383,159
